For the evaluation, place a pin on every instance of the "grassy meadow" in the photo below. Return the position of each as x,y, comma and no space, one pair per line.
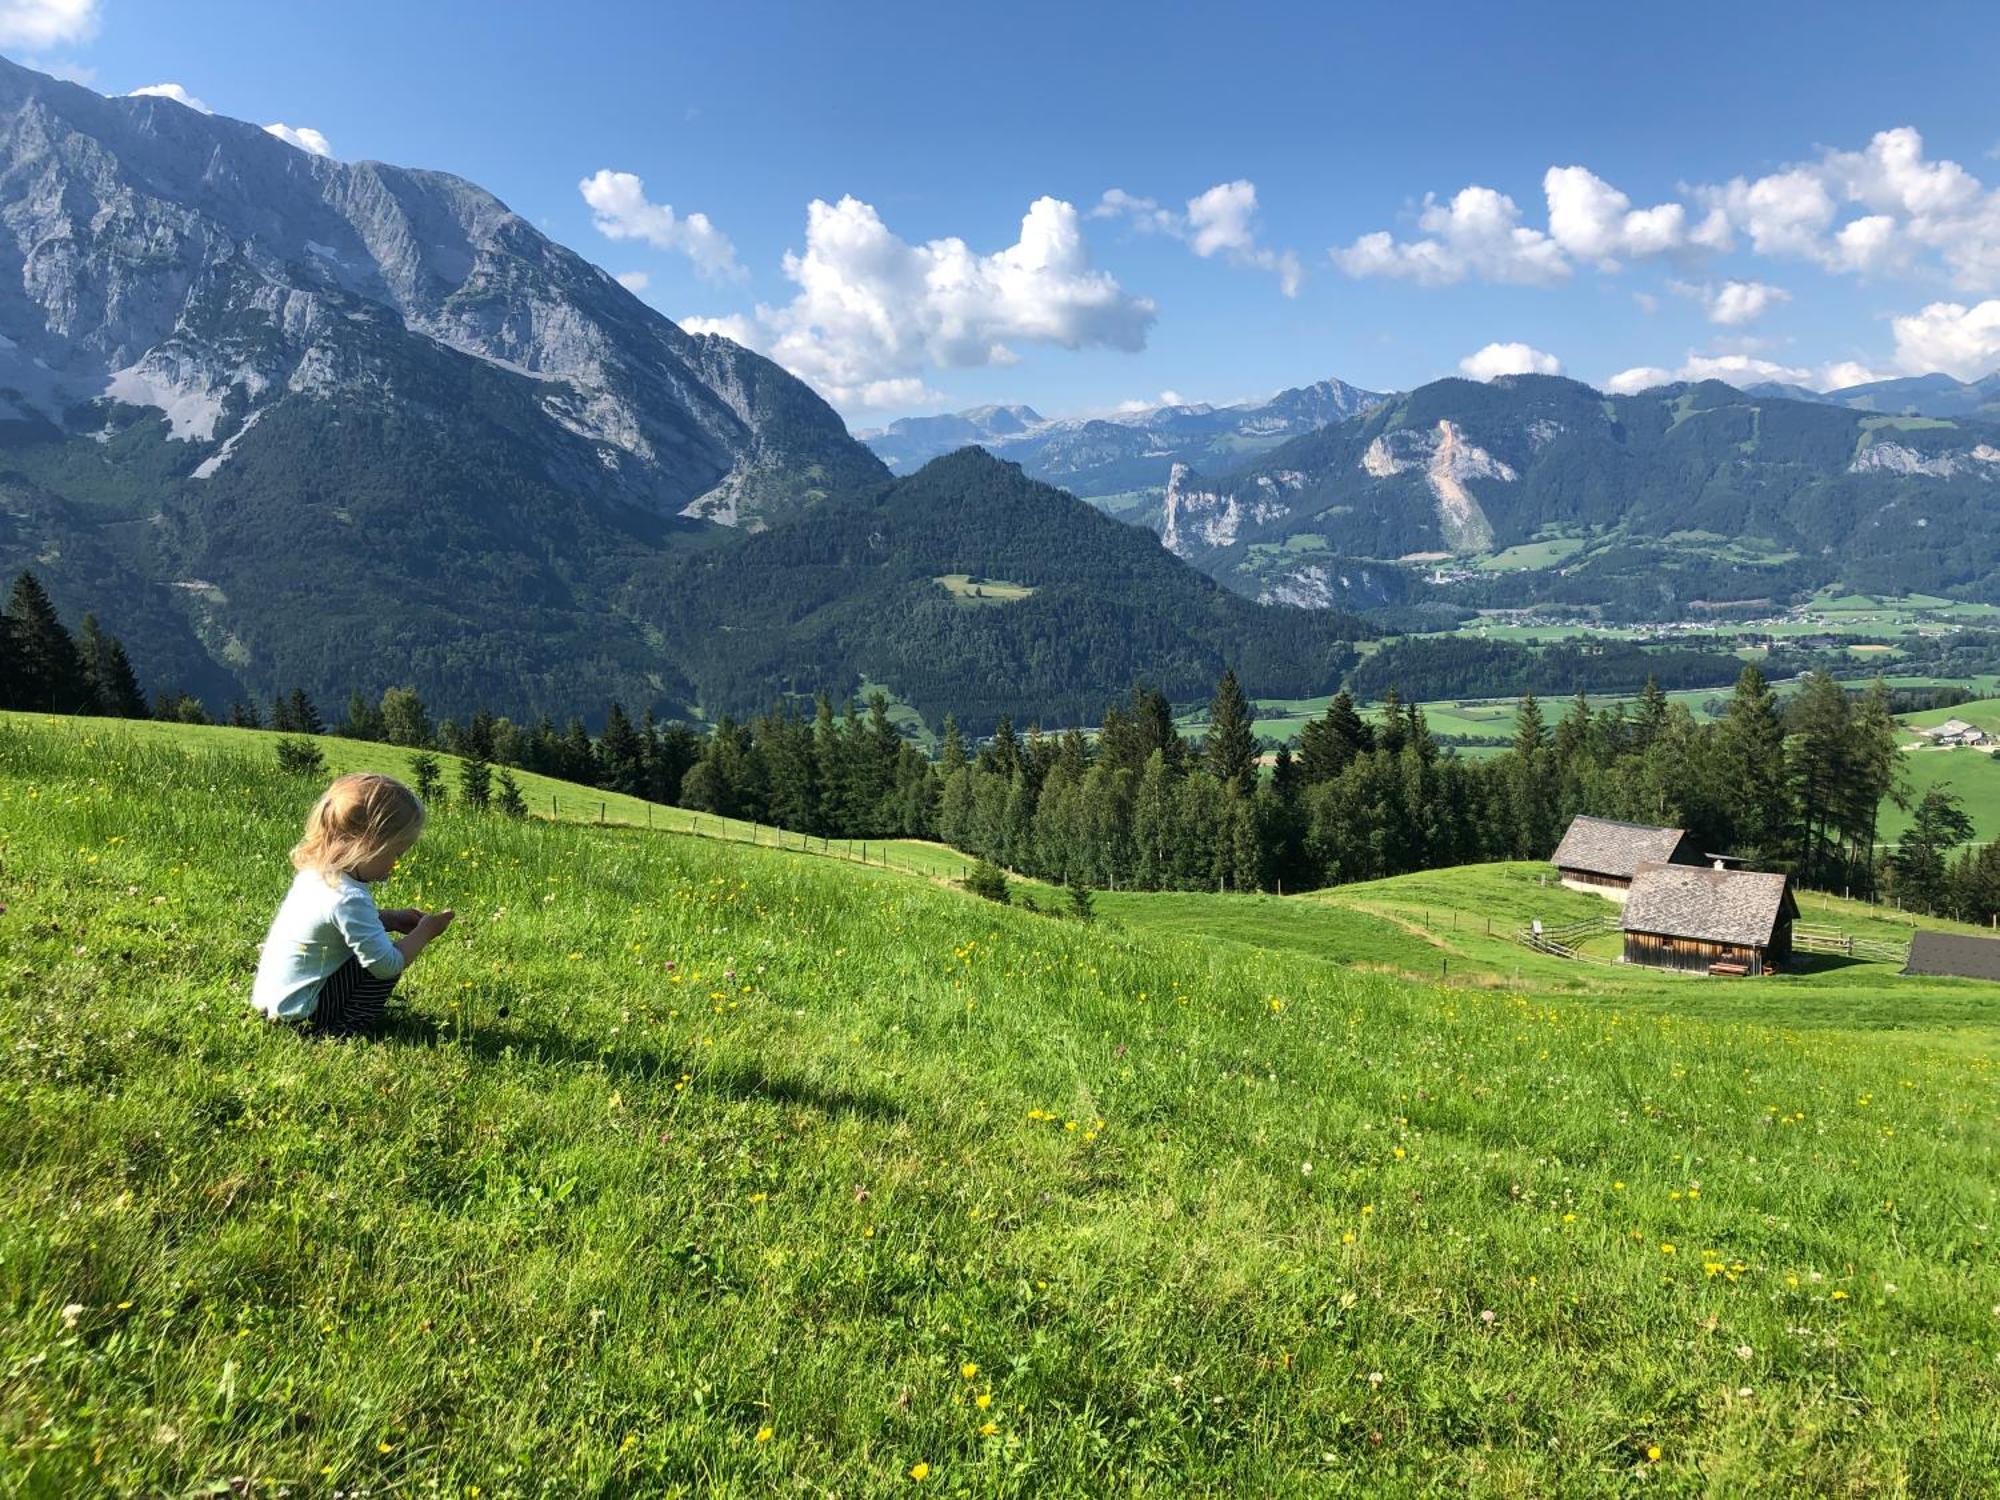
691,1166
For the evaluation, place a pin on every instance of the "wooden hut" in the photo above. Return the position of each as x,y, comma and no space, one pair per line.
1953,955
1601,854
1710,921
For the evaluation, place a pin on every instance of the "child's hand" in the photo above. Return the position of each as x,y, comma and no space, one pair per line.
401,919
431,924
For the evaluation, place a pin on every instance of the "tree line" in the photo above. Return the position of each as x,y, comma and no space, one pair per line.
1796,784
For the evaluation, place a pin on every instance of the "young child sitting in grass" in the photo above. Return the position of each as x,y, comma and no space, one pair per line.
328,959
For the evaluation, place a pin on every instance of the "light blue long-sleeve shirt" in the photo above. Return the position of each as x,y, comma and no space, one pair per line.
317,929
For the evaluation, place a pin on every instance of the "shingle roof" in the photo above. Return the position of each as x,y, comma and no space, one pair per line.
1741,907
1949,726
1600,846
1951,953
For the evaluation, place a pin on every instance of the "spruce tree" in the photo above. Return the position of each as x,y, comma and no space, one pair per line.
1651,719
427,780
48,674
112,685
621,757
1230,748
244,715
1750,746
475,782
507,797
951,756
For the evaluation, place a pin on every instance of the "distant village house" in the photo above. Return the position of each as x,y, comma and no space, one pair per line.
1602,855
1712,921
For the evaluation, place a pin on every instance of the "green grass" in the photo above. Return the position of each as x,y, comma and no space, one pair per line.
563,801
977,591
1457,926
871,1149
1529,555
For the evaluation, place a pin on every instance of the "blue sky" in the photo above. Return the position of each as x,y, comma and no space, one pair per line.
1806,192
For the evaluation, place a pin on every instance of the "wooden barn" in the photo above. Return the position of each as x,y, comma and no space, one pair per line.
1953,955
1600,854
1709,921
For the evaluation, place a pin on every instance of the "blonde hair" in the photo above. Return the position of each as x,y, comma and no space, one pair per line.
359,817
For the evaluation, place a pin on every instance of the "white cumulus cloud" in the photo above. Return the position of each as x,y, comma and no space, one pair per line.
1478,234
1220,221
1843,373
873,311
1740,370
620,210
1638,378
1904,206
1733,303
303,136
1509,359
171,91
1961,341
34,24
634,282
1591,220
1886,209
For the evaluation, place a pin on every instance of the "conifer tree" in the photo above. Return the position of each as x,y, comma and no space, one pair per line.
1230,748
363,720
48,675
426,780
244,715
507,797
1919,863
1651,719
1750,746
304,715
951,757
475,782
112,685
621,757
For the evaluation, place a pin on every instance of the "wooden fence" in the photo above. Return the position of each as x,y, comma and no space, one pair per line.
1832,940
1561,942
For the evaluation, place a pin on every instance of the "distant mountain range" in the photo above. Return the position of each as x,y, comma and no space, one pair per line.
285,421
1122,460
1538,488
1910,396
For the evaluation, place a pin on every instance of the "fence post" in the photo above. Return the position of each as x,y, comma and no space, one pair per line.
554,812
600,814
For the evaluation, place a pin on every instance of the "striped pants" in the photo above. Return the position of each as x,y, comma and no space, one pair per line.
351,1001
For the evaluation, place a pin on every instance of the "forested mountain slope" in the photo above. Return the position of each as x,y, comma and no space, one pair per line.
1667,495
1077,606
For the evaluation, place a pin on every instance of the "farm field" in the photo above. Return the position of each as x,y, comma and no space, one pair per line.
697,1165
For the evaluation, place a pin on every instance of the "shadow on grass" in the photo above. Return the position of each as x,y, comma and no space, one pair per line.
640,1062
1822,963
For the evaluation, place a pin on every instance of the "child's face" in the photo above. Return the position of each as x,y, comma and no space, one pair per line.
381,865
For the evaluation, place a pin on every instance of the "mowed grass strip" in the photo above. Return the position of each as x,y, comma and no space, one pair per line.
699,1167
